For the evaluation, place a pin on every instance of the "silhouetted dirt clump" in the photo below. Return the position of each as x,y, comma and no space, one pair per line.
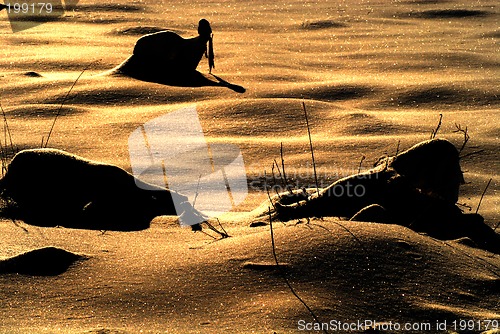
47,261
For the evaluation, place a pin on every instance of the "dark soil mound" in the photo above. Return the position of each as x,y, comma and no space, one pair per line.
47,261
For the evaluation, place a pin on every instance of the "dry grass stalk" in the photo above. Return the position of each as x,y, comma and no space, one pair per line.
464,205
267,191
482,195
397,148
470,154
361,163
4,147
311,146
44,145
222,227
274,178
466,136
282,273
197,186
435,131
222,233
287,186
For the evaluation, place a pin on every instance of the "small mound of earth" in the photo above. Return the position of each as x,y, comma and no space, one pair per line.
426,2
321,24
46,261
40,111
264,266
32,74
106,331
448,13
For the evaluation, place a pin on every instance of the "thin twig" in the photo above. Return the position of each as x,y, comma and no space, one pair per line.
3,147
361,163
348,231
274,179
282,178
268,194
5,134
466,136
4,159
196,194
434,132
284,276
311,145
465,205
210,226
211,236
474,258
397,148
62,104
471,153
484,192
283,169
7,128
222,227
17,225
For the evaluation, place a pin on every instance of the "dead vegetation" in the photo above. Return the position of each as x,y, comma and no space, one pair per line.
417,188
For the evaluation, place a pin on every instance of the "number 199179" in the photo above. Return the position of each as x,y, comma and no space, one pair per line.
38,8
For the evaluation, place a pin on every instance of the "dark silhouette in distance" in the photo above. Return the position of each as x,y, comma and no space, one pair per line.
165,57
